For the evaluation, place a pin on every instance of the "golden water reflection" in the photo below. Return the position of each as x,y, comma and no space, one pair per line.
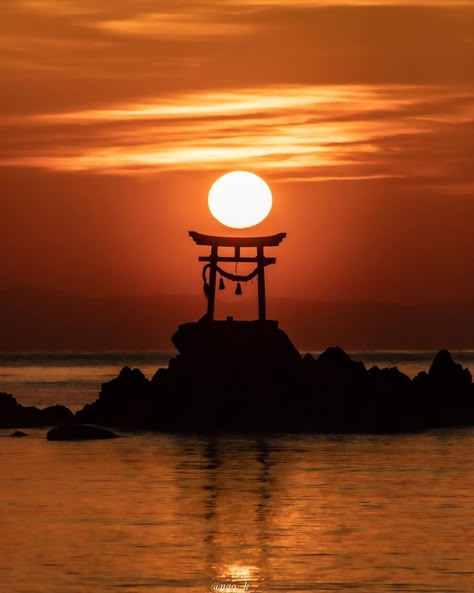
167,514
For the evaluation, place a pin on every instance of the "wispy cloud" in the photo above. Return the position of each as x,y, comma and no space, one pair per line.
174,25
186,44
333,3
75,7
61,7
299,132
307,89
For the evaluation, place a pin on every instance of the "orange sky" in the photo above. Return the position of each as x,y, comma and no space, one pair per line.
117,116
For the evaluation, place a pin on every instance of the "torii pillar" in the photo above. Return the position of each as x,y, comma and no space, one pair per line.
259,243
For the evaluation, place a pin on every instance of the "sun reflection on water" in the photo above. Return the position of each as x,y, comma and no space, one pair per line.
166,514
239,577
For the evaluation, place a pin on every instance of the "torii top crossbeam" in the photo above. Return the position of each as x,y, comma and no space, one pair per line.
237,243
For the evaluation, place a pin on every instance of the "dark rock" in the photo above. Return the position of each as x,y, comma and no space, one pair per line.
236,376
444,371
18,434
242,376
335,357
123,401
227,375
56,415
245,341
445,395
13,414
79,432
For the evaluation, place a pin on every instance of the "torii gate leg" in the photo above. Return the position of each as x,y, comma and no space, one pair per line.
212,284
262,307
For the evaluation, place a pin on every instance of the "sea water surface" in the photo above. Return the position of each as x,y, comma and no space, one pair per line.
158,513
162,513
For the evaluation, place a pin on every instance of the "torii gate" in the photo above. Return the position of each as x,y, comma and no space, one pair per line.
237,243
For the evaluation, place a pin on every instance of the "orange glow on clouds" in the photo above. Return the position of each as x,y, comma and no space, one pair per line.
302,132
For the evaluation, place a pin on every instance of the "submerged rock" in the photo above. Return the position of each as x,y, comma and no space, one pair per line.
79,432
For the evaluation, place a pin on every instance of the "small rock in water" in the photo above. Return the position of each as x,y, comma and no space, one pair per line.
18,434
79,432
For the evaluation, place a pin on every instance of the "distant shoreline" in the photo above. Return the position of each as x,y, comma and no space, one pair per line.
44,320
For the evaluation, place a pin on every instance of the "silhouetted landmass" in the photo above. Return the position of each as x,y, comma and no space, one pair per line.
248,377
18,434
79,432
33,319
13,414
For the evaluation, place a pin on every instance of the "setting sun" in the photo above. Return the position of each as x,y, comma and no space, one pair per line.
240,199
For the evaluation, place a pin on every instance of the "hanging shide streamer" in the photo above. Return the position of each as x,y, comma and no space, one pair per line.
229,276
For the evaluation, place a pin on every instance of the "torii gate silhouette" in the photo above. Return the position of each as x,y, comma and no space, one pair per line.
237,243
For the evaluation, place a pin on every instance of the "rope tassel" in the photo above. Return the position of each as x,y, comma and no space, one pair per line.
238,290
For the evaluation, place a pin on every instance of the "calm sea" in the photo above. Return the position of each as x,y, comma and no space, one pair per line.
75,379
158,513
155,513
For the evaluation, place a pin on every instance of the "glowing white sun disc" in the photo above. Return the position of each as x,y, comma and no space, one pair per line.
240,199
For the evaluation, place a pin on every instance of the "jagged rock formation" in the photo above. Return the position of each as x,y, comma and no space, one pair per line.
248,377
228,374
445,394
14,415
